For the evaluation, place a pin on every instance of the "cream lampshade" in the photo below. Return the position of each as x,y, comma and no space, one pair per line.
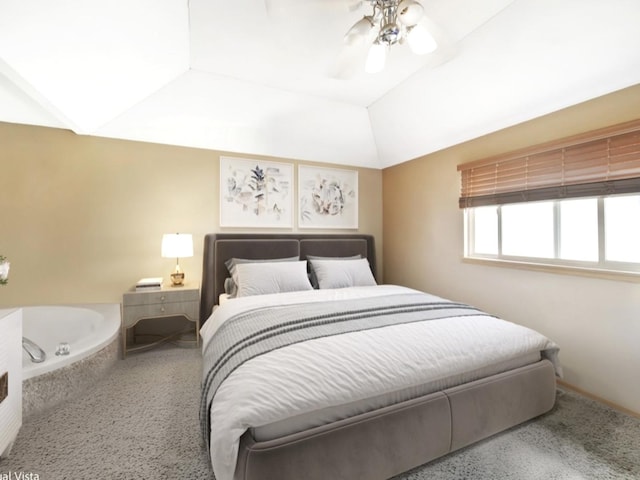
177,245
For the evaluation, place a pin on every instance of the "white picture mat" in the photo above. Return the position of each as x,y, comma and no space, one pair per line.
327,197
255,193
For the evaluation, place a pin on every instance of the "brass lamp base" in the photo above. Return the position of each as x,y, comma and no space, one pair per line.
177,279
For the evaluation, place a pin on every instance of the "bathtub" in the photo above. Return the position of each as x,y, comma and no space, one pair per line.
92,333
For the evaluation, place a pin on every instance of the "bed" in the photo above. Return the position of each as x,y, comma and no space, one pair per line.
363,381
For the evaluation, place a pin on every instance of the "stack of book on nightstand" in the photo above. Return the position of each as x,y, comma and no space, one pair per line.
149,284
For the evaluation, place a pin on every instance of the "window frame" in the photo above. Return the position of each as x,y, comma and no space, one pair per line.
601,266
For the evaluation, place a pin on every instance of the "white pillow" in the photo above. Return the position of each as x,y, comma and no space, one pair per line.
312,258
230,285
343,273
271,277
232,262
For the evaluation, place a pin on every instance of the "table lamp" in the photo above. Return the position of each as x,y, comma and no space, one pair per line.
177,245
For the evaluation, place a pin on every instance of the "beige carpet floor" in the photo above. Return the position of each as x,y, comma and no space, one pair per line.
141,422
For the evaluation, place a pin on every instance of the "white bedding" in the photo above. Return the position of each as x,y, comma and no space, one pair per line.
327,372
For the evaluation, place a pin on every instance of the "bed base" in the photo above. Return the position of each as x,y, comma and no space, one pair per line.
389,441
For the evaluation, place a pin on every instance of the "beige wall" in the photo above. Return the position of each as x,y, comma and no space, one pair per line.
81,220
596,322
82,217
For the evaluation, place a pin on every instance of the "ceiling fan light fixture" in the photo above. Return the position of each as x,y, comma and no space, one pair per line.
420,40
410,12
389,22
376,58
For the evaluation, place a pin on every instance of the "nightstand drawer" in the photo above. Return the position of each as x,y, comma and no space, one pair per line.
160,297
133,313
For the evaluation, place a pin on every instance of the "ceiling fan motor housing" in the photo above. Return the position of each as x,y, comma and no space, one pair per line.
389,34
389,29
407,13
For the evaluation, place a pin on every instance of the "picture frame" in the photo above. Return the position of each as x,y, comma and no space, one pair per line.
327,198
255,193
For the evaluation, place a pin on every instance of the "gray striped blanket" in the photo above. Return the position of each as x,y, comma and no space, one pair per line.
260,331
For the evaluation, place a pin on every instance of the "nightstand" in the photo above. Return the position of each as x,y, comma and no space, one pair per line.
167,302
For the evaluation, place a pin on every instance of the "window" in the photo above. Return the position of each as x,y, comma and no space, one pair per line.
599,233
622,229
527,230
572,202
485,230
579,230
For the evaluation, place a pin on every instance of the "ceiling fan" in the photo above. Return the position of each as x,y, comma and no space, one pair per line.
391,22
386,23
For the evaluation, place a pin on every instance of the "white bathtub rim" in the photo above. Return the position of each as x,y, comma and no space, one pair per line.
112,320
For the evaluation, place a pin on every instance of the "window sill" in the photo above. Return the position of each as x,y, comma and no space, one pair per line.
559,269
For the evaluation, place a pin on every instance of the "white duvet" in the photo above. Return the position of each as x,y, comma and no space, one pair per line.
332,371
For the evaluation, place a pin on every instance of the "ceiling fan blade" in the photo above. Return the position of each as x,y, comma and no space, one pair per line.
359,31
306,22
348,62
354,5
277,6
356,44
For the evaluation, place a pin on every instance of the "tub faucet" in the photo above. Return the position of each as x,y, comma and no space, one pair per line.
36,354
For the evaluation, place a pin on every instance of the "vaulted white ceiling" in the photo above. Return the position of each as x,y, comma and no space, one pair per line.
236,76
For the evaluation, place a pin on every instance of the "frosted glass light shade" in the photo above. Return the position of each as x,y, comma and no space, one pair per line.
177,245
359,31
420,40
410,12
376,58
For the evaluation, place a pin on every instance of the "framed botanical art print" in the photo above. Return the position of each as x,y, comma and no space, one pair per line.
255,193
327,197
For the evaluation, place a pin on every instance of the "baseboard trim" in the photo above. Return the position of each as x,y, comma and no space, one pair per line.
584,393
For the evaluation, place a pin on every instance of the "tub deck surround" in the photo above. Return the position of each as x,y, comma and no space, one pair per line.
91,332
166,302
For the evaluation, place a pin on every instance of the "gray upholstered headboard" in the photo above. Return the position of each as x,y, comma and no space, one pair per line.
219,247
